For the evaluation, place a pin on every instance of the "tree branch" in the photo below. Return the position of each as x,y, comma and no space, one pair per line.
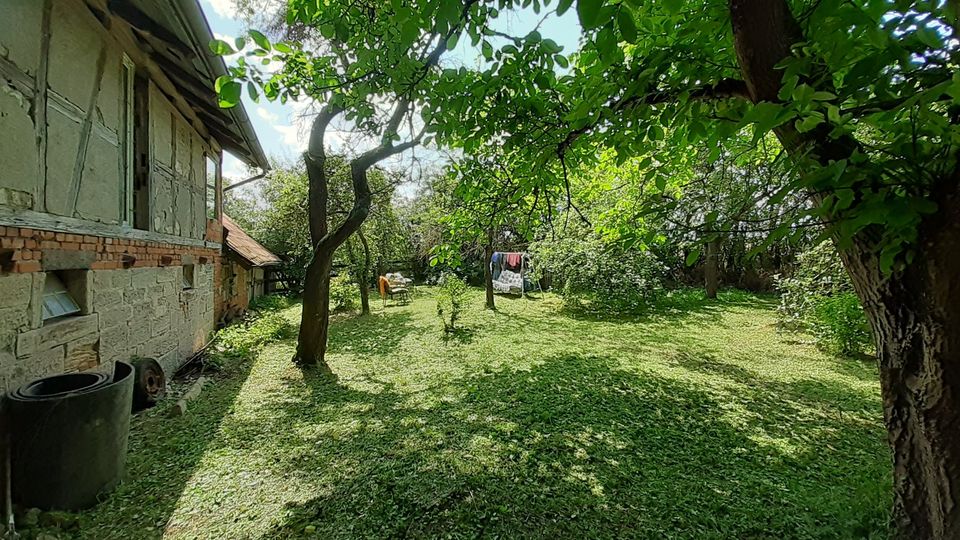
720,90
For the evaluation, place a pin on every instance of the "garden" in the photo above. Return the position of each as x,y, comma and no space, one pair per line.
689,274
697,419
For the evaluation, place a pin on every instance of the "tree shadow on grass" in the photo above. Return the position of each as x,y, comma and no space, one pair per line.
829,395
162,456
576,447
863,366
376,334
676,307
530,297
461,334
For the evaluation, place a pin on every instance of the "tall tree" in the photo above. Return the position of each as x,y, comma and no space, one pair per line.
491,207
360,64
864,96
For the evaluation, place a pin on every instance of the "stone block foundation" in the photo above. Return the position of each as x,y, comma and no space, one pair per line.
132,294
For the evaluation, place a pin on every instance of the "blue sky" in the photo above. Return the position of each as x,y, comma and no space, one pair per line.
282,129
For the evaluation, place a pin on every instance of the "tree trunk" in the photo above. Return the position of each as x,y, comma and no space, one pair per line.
487,271
312,341
914,313
915,318
364,281
315,319
711,272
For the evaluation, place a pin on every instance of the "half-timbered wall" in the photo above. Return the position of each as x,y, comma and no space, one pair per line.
68,151
102,184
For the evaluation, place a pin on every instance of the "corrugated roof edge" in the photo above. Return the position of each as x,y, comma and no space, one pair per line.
202,34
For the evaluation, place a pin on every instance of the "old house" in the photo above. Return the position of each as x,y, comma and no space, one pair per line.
110,165
247,270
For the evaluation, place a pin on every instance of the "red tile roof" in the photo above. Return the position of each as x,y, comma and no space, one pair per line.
240,243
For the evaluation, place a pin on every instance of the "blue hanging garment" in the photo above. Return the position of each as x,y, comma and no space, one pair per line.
496,264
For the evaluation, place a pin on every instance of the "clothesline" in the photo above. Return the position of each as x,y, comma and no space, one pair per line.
509,269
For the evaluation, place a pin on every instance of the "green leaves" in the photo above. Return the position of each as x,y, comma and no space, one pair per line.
229,92
693,256
628,29
672,7
452,41
589,13
765,116
809,123
221,47
260,39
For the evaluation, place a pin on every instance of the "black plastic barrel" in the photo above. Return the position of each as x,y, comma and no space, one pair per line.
69,438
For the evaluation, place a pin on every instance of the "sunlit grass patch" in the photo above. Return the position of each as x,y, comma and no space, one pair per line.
697,421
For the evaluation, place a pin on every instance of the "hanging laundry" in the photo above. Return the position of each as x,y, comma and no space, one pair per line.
513,260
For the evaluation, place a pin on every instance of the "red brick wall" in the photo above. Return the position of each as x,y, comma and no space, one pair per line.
214,232
26,248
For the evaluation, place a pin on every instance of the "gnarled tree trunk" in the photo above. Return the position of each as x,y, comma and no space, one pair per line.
914,312
915,315
312,341
314,321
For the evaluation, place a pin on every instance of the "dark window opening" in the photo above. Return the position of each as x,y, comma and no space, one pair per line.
188,276
141,154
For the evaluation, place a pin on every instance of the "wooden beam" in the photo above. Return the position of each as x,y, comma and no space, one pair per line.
175,67
28,219
85,128
143,23
222,134
128,38
40,108
22,82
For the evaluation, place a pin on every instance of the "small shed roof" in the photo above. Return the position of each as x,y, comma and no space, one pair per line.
246,247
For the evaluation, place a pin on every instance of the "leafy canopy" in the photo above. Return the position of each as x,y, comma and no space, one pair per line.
651,81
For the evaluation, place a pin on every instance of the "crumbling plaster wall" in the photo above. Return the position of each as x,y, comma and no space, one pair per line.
234,287
63,116
19,63
76,166
178,176
126,313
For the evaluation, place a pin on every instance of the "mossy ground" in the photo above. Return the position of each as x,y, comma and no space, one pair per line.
697,421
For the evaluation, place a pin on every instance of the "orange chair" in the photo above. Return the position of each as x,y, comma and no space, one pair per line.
388,290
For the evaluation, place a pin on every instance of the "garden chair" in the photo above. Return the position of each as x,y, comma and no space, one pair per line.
393,291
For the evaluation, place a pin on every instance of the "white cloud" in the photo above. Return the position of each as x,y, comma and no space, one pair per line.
233,168
291,136
262,112
224,8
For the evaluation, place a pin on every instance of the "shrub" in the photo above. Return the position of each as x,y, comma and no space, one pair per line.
607,276
451,296
245,338
839,324
342,290
271,302
819,298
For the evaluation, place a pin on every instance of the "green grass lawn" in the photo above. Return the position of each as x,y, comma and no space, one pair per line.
697,422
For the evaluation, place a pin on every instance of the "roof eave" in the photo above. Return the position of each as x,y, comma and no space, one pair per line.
190,11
